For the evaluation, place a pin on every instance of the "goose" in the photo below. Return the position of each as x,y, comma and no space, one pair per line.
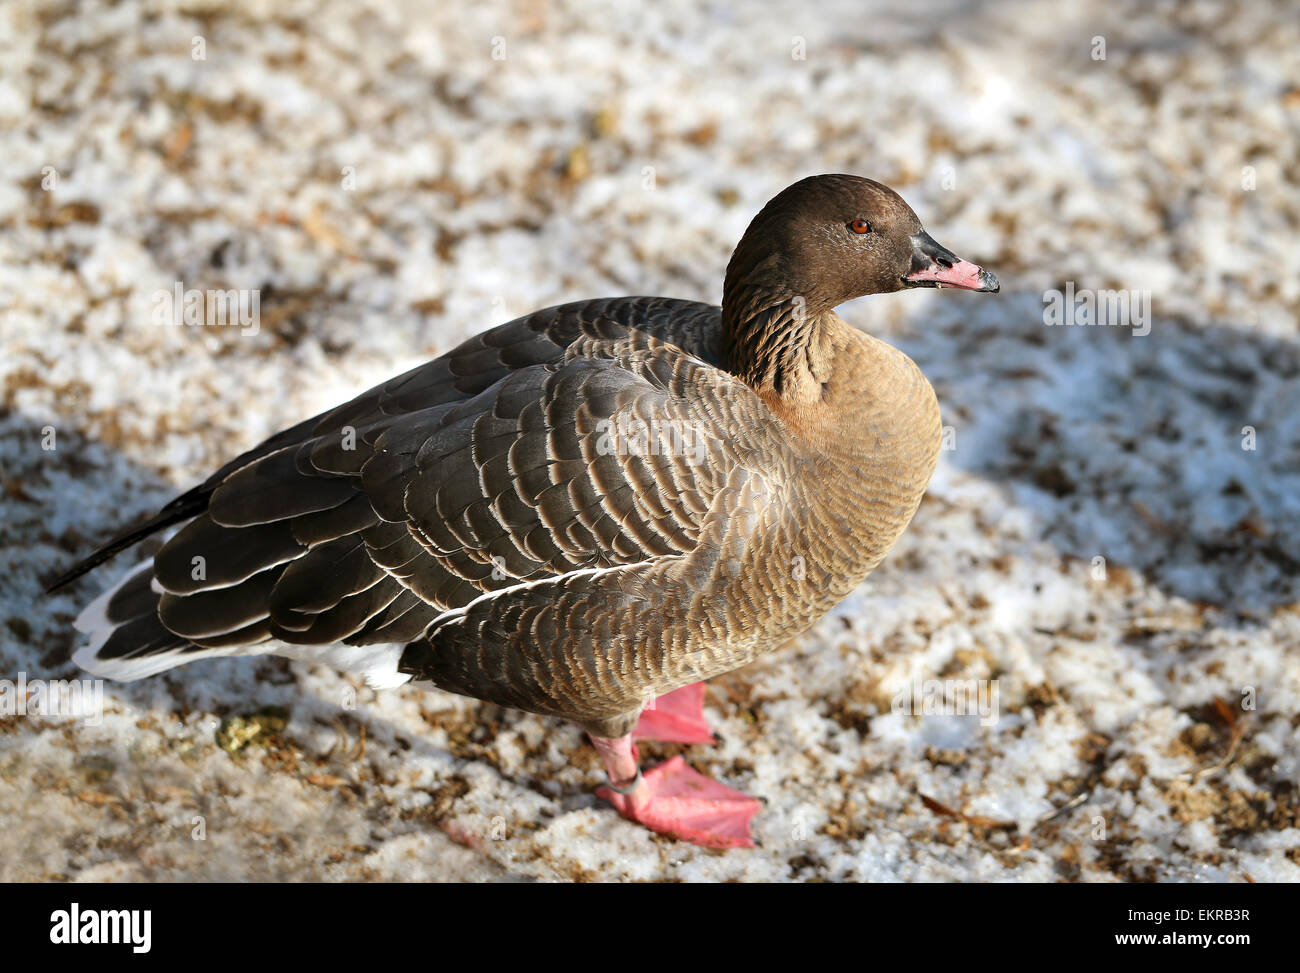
583,513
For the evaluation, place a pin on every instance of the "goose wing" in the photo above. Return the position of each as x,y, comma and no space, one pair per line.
578,438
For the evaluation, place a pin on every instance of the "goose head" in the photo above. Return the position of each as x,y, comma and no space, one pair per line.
832,238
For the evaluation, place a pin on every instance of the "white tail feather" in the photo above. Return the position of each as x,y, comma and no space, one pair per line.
377,663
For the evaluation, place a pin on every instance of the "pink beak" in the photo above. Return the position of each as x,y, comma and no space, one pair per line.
933,265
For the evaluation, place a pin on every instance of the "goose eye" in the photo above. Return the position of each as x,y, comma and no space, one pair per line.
860,226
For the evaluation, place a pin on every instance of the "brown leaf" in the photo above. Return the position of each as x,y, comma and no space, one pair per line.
938,808
703,135
319,229
177,142
98,798
993,824
974,820
325,780
1225,712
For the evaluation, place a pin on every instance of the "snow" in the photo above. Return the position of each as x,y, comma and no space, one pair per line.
616,152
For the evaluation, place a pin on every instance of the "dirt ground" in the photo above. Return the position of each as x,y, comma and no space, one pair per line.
1111,539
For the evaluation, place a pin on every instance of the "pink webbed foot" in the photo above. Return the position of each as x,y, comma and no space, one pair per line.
674,800
683,804
677,717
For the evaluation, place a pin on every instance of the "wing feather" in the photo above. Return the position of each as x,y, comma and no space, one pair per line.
487,468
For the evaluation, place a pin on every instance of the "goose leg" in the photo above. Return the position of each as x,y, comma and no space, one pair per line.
673,799
677,717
